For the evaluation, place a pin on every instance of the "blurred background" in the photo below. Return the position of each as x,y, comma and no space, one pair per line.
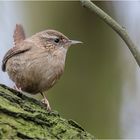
100,86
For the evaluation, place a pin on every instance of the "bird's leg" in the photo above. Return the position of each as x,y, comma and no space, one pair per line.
17,88
46,102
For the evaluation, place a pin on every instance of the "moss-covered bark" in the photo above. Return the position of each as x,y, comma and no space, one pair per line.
23,117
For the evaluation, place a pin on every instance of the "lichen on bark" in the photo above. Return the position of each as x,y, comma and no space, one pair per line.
23,117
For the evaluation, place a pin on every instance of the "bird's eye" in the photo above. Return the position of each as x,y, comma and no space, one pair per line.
56,40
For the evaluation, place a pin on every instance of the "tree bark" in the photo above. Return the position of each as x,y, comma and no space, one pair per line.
23,117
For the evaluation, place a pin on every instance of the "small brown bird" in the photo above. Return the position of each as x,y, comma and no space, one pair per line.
36,63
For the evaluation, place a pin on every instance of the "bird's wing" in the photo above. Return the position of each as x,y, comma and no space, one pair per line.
12,52
19,34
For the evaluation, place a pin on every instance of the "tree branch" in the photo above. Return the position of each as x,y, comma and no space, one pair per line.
23,117
116,27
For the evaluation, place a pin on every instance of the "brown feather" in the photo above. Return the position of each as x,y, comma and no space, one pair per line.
19,34
12,52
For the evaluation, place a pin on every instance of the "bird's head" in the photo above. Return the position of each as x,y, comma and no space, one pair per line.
57,39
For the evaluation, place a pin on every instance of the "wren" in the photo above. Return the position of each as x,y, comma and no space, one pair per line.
36,63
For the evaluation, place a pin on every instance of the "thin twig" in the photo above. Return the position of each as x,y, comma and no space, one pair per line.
115,26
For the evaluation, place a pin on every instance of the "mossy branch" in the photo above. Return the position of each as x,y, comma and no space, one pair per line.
23,117
115,26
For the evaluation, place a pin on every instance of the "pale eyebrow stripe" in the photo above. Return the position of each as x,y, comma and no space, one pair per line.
54,37
49,36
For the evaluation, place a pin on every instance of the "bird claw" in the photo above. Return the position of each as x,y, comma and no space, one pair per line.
46,103
17,88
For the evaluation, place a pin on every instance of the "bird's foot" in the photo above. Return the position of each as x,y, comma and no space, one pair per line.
17,88
46,103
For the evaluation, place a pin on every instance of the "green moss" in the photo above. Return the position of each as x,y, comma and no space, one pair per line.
4,89
6,104
23,117
30,129
7,132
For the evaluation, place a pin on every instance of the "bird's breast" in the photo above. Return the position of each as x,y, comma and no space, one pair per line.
36,70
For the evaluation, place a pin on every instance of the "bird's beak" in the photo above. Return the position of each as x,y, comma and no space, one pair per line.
72,42
75,42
